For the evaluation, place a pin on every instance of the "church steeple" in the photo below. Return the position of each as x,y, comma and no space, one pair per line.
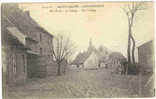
90,47
90,43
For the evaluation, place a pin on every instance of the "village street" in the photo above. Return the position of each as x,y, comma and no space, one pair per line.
92,48
78,83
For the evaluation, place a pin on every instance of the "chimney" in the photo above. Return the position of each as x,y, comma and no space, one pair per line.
28,13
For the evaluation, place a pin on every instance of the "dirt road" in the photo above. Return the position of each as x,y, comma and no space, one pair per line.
78,83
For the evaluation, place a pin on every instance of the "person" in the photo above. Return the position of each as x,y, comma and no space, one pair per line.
124,66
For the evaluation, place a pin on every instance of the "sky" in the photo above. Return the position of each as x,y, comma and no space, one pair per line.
106,24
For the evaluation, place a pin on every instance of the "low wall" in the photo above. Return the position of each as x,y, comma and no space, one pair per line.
52,68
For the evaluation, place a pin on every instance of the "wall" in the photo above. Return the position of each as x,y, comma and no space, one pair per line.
146,61
52,68
45,47
146,55
15,61
92,61
38,65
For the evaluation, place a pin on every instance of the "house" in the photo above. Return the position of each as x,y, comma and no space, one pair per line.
15,58
87,60
115,62
92,62
146,56
103,55
26,46
80,59
40,57
92,58
82,56
146,62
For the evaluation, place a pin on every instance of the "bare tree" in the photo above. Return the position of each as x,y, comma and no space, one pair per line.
131,10
62,50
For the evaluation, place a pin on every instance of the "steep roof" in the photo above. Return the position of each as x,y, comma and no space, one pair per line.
146,43
20,19
81,58
17,17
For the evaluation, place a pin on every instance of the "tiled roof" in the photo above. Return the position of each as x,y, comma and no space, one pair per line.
19,19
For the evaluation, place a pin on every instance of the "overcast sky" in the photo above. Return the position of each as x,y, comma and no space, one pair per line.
106,26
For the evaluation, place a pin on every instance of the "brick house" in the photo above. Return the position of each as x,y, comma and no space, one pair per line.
26,46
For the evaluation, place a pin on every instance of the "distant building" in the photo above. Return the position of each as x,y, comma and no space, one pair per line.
146,61
80,59
92,58
146,56
115,62
115,59
26,47
92,62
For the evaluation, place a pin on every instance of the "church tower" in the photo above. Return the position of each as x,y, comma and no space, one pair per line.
90,47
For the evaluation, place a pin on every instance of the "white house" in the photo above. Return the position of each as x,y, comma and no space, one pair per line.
92,62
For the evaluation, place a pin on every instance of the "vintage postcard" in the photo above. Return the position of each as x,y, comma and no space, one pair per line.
77,50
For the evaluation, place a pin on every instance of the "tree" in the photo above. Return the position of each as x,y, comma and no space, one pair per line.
63,48
131,10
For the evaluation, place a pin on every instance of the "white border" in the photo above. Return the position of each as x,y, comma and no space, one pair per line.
19,1
0,58
70,0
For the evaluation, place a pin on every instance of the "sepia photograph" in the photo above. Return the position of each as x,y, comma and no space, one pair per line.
78,50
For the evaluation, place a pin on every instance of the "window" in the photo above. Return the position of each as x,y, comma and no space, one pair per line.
24,68
14,58
41,51
14,68
40,37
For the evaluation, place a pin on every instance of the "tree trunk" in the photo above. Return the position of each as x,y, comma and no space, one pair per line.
133,49
128,49
59,69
